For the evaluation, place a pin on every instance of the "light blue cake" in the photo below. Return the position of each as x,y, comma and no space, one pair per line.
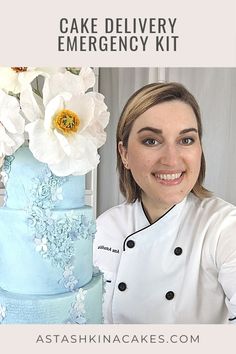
46,235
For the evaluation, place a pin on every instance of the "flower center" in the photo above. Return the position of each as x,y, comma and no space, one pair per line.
66,121
19,69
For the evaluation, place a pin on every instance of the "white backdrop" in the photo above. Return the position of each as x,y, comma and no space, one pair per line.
215,90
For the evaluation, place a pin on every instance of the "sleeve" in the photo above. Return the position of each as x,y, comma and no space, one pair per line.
226,261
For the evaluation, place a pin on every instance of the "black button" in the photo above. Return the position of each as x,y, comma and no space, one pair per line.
170,295
122,286
178,251
130,244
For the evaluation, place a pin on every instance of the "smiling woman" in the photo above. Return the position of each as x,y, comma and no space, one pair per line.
175,242
163,150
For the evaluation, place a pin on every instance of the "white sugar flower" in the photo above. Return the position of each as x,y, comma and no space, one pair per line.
67,126
11,125
71,283
68,82
80,301
58,195
16,79
68,271
41,244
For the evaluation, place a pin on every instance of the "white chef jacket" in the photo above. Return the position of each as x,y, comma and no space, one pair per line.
179,269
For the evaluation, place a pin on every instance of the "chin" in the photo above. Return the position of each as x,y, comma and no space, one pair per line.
174,199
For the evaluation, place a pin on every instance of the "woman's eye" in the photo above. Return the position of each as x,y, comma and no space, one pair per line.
150,142
187,141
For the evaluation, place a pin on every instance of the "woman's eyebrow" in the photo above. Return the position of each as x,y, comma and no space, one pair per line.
154,130
184,131
159,131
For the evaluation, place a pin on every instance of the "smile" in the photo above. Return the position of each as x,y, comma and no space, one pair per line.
169,179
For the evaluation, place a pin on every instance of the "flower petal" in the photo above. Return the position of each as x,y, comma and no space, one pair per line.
88,77
95,134
31,104
9,114
9,143
11,125
73,145
26,77
4,137
100,111
49,71
13,81
69,165
59,83
44,144
56,104
63,142
83,105
9,80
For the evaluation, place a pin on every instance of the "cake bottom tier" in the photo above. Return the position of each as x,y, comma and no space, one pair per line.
83,306
46,252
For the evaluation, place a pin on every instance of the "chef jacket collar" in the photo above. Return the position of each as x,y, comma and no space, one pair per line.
145,213
143,223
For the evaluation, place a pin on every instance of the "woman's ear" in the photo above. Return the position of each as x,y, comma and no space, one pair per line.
123,154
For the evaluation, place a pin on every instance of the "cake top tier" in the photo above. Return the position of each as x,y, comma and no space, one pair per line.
29,183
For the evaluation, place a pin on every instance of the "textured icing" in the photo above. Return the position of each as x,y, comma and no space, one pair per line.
47,254
26,179
80,307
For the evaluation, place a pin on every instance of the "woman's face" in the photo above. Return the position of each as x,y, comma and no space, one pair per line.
164,153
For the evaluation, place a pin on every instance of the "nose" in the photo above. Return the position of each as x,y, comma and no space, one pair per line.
170,156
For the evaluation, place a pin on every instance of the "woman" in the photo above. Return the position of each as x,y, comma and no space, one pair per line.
169,252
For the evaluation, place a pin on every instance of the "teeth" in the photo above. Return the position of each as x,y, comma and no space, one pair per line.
169,177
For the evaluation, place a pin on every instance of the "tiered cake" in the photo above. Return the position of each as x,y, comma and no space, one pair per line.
46,234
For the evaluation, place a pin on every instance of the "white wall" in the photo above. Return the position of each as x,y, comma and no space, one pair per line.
215,90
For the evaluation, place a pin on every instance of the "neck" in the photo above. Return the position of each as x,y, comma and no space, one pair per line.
154,211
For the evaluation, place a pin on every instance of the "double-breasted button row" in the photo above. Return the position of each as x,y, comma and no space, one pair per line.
177,251
169,295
